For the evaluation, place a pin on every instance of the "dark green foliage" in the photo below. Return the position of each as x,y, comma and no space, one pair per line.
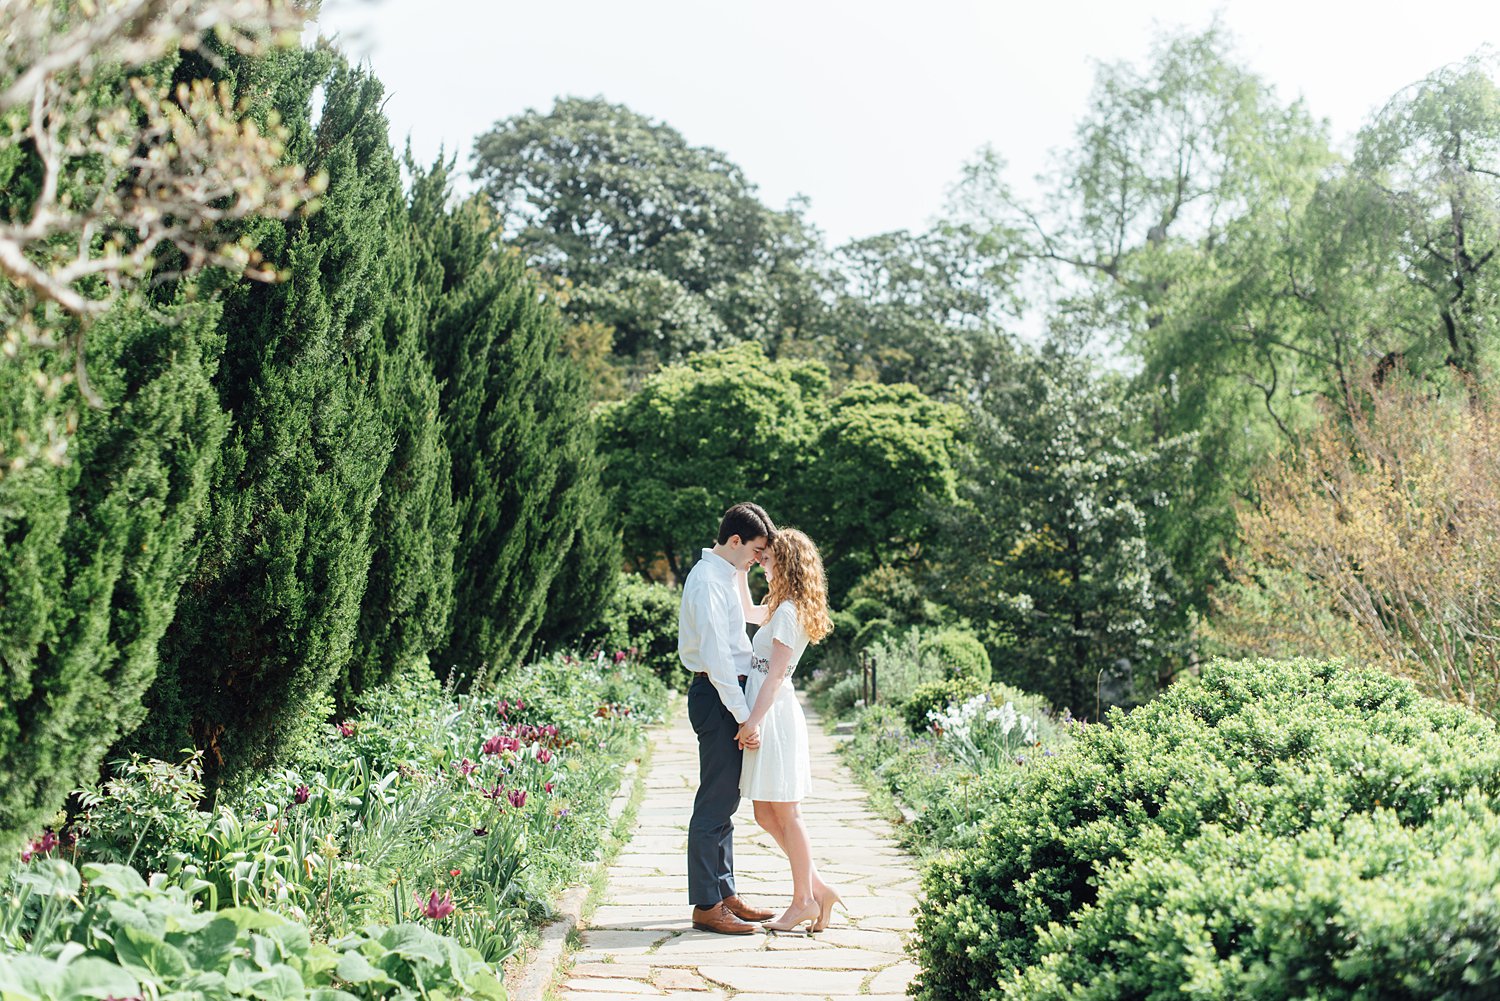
93,551
269,618
515,415
1278,830
938,695
960,653
641,616
407,604
723,427
882,461
585,585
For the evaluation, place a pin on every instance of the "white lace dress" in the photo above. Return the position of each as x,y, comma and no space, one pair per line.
779,770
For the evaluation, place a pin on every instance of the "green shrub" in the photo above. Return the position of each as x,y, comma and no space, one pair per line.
960,653
93,550
641,619
1278,828
936,695
269,615
844,695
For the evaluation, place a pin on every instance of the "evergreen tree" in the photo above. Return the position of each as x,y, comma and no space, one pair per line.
406,608
94,548
98,510
516,415
269,617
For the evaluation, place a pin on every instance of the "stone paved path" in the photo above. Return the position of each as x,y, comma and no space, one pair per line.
640,941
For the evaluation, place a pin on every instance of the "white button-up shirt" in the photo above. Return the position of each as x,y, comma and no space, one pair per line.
711,630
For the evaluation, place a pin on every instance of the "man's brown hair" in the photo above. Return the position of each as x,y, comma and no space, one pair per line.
748,521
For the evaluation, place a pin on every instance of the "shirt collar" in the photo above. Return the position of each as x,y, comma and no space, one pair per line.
717,563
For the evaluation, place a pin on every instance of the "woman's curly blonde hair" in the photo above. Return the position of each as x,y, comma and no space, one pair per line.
799,578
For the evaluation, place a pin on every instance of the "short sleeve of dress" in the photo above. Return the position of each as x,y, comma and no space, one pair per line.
786,627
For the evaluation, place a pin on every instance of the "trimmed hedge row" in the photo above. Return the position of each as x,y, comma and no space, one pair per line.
1280,830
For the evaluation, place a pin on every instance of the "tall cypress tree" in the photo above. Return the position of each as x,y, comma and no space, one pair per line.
515,412
98,512
407,605
269,618
93,552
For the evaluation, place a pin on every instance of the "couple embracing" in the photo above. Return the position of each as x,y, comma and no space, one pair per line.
752,738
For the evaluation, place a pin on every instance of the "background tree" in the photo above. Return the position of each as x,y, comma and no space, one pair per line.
882,464
1377,541
1049,552
663,242
533,527
1174,230
720,428
269,615
1431,160
923,308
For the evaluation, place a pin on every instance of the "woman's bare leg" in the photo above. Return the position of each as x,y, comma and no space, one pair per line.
798,848
771,821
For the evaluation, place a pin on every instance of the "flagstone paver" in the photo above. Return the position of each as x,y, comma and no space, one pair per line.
640,941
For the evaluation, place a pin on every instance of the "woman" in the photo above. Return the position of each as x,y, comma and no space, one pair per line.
777,775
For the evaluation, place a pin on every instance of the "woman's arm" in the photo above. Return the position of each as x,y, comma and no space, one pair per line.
781,658
754,614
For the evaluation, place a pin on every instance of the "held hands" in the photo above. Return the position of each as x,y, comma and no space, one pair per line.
748,737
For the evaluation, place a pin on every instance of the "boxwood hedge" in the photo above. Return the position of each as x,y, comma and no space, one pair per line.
1276,830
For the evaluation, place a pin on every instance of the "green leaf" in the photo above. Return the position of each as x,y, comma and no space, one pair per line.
279,983
413,942
209,948
49,877
146,954
121,879
356,969
92,977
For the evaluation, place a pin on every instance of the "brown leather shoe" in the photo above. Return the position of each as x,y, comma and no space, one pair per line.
721,920
745,912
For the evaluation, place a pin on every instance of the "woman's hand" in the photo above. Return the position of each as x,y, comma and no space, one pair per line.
748,737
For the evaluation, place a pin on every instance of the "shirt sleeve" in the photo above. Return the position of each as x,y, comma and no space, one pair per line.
786,627
724,612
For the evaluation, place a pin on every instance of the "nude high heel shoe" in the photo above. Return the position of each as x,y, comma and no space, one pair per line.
825,908
808,915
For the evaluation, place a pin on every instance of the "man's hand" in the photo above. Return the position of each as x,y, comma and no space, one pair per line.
748,737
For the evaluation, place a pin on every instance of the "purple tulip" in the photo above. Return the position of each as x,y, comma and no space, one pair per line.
301,793
518,798
436,908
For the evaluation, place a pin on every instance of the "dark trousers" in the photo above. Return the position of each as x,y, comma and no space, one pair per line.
710,862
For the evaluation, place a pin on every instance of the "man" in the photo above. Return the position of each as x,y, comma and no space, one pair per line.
713,646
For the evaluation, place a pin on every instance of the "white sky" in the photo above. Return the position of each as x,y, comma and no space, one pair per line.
867,108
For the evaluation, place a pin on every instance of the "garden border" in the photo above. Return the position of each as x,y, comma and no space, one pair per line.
539,974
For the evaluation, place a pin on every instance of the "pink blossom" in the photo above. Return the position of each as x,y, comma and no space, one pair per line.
518,798
346,729
549,788
466,767
544,756
619,656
